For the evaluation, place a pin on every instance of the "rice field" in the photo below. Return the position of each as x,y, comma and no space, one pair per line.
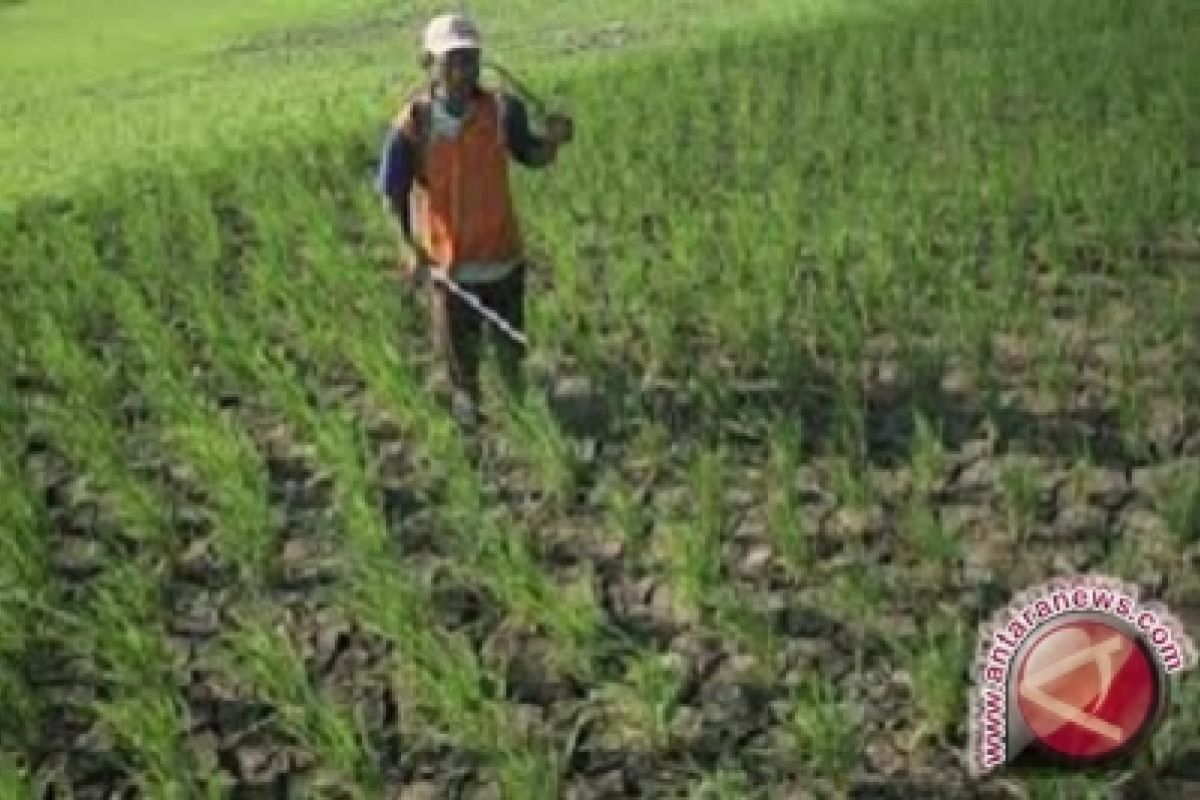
845,329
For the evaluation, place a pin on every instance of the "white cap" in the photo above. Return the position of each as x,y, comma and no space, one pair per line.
448,32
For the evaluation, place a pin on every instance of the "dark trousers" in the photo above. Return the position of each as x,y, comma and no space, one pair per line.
458,332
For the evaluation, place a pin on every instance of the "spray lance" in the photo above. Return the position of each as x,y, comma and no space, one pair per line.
517,86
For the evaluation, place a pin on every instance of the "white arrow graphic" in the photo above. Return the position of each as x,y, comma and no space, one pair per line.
1099,654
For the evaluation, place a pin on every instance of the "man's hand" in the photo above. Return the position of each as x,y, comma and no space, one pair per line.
415,265
415,275
560,129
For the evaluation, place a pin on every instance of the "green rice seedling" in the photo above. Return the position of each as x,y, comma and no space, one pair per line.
121,632
724,783
464,508
1059,787
1053,374
227,342
1180,504
227,462
1074,484
340,444
928,458
742,619
1130,402
937,662
1019,491
1173,739
860,593
122,627
1125,556
390,378
152,723
824,727
532,427
15,693
709,482
88,437
265,657
529,773
626,516
152,349
850,483
848,417
576,622
570,614
1174,320
693,561
787,525
438,672
647,699
340,447
452,691
651,449
23,591
212,445
16,783
936,547
922,526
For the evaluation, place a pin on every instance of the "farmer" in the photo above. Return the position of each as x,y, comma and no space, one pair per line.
444,174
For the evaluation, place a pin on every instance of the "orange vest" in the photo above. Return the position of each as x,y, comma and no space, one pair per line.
462,201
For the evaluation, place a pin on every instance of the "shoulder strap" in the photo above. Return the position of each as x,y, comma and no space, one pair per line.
501,101
423,117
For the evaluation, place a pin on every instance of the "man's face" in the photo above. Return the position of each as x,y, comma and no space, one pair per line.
458,70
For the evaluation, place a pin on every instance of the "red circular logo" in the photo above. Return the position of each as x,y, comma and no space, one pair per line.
1087,689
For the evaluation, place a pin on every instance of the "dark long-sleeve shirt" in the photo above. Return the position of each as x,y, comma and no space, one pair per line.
397,167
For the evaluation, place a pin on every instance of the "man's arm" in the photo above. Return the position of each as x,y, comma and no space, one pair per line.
395,179
527,147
